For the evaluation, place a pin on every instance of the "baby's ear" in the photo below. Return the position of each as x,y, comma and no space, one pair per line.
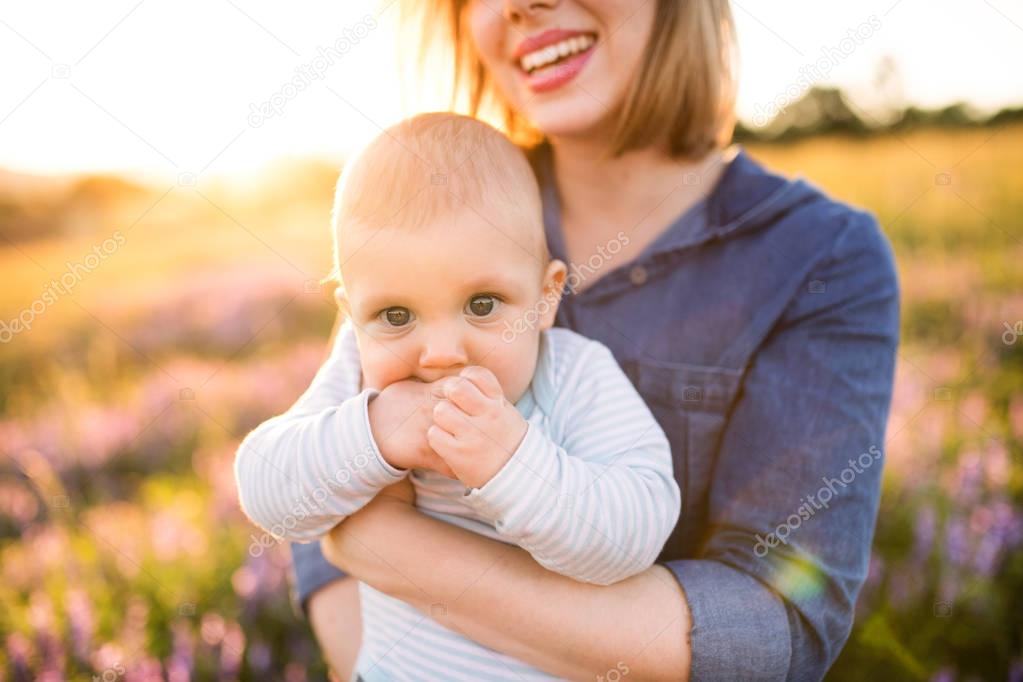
553,287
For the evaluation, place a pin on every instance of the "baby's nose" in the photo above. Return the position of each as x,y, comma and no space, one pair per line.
442,351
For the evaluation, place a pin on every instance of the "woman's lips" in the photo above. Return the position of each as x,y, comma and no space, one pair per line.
553,77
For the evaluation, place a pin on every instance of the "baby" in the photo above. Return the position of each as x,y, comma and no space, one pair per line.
537,436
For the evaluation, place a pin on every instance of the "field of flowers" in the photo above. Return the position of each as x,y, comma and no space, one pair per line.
164,322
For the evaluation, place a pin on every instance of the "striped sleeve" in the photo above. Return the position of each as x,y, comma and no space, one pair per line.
301,473
599,506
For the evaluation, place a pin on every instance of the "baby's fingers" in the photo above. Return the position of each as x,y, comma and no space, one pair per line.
450,417
466,396
442,443
484,380
437,463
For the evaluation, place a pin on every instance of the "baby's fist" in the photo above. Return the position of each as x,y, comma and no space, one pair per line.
475,429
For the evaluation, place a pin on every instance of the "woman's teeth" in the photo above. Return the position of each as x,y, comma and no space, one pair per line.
554,53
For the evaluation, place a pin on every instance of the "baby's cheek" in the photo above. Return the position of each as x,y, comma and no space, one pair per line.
381,369
515,366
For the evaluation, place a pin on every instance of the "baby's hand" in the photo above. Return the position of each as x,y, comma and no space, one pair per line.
475,429
398,419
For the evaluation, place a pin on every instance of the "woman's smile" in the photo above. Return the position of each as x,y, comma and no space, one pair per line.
549,60
564,66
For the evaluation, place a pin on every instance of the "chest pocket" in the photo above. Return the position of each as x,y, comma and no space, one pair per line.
691,403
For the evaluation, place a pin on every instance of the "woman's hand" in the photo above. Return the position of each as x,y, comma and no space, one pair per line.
372,520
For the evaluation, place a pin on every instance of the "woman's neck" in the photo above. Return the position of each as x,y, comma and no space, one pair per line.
642,190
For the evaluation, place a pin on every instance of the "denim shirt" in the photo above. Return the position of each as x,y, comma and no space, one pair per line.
761,329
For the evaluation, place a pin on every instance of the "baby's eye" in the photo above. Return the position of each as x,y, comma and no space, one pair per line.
481,305
396,316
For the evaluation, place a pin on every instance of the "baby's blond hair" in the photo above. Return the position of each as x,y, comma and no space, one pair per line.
434,164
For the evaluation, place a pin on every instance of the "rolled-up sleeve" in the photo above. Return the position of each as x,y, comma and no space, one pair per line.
794,496
312,571
740,628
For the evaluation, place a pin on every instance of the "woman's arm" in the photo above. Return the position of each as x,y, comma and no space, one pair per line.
815,403
793,500
337,623
497,595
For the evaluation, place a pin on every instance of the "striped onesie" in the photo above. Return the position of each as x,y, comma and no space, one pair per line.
589,493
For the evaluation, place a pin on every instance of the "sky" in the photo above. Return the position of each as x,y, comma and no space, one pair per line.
174,89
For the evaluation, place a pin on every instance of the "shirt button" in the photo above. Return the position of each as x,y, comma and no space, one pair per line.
638,275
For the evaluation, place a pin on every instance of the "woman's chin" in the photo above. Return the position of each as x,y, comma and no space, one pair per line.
571,120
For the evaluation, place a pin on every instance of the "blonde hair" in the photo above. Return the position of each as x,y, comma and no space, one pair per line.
684,88
432,165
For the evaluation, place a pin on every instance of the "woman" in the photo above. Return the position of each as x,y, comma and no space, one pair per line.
757,318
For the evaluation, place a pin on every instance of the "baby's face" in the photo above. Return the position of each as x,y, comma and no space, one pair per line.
430,301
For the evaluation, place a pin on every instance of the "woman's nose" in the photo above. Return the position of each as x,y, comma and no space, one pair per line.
517,10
